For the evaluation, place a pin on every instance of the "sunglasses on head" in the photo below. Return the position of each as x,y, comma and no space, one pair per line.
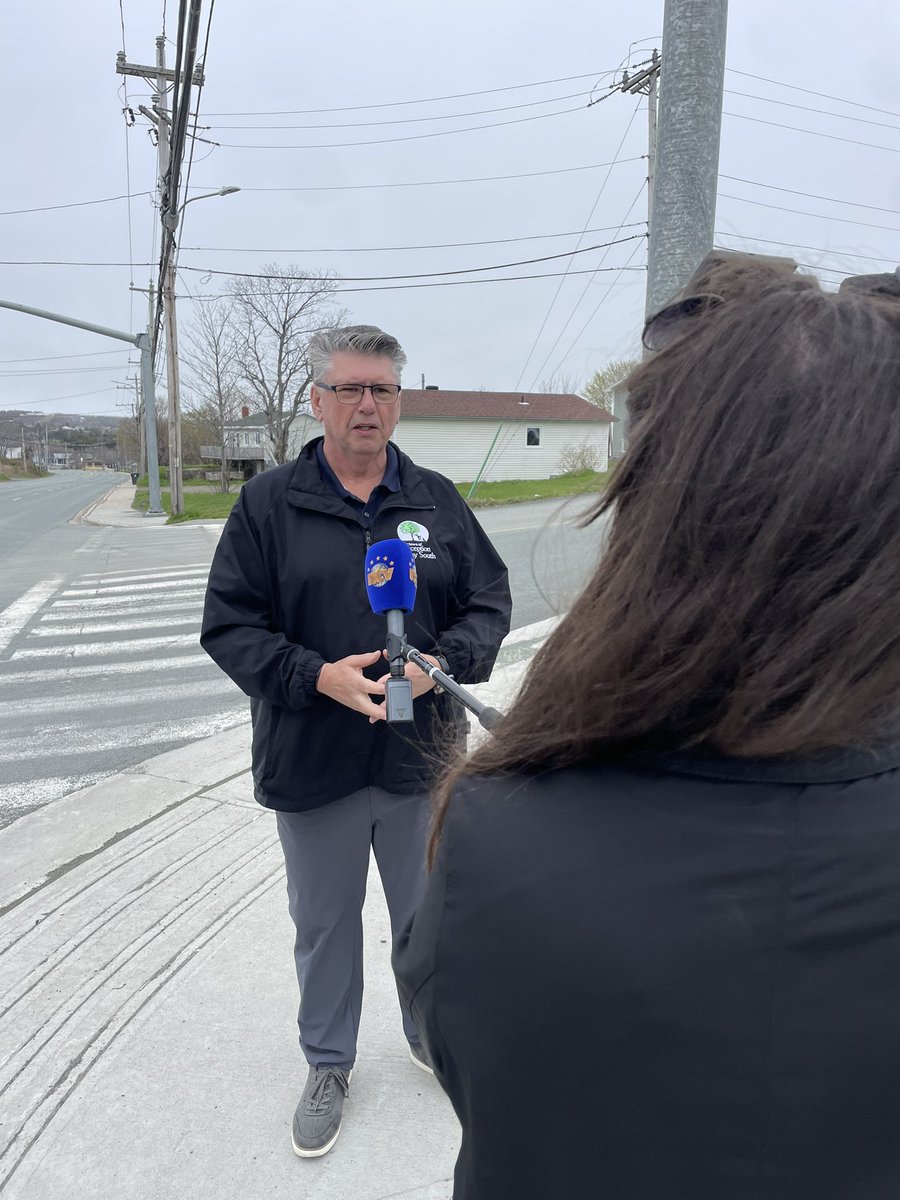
673,321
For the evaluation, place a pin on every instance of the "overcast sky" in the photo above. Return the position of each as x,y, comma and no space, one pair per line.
380,71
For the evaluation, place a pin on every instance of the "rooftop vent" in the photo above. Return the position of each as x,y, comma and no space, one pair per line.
432,387
523,401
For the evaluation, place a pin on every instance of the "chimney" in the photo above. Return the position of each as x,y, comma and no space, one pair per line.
245,412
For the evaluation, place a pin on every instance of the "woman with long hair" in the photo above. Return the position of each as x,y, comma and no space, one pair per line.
659,956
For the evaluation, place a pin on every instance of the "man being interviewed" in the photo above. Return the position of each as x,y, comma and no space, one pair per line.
288,619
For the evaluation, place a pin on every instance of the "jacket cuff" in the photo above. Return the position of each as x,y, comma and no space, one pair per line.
307,677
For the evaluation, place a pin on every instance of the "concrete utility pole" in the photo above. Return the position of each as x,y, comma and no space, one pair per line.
683,211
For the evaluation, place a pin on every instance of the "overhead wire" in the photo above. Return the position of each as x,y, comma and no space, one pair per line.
832,137
124,90
584,292
303,112
809,108
586,224
808,91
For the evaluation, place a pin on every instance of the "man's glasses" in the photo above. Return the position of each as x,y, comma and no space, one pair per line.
352,393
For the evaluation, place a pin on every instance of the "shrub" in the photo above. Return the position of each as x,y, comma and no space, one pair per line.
578,458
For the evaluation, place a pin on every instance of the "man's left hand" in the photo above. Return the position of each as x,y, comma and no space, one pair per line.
421,681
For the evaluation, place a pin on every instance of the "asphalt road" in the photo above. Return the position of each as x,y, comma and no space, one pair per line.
99,662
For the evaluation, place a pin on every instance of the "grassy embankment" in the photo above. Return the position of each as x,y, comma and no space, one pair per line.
203,504
11,469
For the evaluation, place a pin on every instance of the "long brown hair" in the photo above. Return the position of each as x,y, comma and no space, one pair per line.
749,597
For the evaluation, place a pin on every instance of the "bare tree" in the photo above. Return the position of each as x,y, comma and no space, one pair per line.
560,385
598,389
213,357
275,315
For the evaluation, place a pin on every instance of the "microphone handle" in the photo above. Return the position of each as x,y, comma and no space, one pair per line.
396,638
487,716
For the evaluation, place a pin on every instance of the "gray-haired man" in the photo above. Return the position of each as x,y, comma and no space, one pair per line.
288,619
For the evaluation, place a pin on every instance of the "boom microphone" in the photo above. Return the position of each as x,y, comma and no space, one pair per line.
391,588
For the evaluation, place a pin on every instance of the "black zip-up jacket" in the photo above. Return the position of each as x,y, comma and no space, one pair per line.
287,593
677,981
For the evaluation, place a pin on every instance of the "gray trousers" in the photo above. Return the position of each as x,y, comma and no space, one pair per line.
326,855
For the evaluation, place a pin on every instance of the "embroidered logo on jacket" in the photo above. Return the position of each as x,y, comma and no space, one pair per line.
416,536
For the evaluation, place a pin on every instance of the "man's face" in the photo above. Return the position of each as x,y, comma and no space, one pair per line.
362,429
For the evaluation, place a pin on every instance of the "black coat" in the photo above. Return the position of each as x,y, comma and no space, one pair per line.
671,984
287,592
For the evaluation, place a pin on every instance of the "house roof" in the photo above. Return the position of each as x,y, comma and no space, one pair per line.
251,422
497,406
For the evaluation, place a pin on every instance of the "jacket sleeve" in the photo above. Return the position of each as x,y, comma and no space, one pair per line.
482,600
238,622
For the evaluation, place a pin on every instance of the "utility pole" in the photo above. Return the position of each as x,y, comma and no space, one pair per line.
685,171
646,83
159,77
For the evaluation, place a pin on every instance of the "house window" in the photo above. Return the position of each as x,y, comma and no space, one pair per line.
256,439
533,435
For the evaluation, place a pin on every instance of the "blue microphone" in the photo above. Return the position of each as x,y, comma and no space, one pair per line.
391,587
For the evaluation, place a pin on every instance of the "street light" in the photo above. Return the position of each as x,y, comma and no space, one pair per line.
176,486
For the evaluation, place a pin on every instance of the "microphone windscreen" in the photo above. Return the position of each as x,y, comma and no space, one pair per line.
391,576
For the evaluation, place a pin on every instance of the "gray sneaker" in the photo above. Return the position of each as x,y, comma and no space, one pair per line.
317,1121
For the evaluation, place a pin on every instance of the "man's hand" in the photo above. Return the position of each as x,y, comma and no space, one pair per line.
421,680
344,682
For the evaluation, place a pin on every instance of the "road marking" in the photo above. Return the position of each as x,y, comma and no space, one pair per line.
60,741
117,627
102,649
14,618
113,612
118,601
89,700
101,590
201,569
32,793
54,674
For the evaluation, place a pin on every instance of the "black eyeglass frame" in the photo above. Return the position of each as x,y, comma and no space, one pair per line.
363,388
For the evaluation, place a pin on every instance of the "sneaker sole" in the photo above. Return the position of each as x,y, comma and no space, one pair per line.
418,1062
301,1153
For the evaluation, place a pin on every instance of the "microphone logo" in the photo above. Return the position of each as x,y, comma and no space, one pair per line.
381,571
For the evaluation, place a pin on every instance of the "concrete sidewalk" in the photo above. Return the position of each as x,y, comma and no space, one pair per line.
148,1046
114,508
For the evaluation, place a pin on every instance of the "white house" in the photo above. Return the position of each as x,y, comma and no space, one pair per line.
498,435
247,444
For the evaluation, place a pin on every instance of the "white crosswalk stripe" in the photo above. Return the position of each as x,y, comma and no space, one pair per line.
101,671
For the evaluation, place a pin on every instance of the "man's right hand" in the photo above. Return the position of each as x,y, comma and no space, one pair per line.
344,682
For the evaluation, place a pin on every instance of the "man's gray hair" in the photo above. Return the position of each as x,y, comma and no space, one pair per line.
353,339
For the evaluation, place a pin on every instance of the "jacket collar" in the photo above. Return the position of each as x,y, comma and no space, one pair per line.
307,478
833,766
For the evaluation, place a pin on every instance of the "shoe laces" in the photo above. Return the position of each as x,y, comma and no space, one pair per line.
321,1096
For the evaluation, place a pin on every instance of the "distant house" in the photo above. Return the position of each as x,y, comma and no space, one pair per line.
498,435
618,403
247,445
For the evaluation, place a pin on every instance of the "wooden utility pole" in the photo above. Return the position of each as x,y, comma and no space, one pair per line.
646,83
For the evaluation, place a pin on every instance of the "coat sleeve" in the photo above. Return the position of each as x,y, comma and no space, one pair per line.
483,602
238,622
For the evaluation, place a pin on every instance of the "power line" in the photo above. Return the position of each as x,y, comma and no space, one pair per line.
422,246
15,212
58,357
817,249
76,396
774,187
587,285
804,213
808,108
305,112
401,287
417,120
525,262
832,137
587,222
415,137
822,95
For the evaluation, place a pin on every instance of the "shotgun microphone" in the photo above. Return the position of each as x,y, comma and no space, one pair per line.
391,588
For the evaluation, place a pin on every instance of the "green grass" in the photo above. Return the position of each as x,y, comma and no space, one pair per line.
516,491
11,471
198,506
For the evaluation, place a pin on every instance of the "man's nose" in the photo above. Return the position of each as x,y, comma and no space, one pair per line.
367,400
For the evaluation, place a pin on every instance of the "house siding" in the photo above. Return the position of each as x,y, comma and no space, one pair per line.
457,448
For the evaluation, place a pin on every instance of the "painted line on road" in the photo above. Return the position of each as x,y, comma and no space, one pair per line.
32,793
14,618
189,608
117,627
118,601
102,649
137,577
60,741
90,701
172,662
100,591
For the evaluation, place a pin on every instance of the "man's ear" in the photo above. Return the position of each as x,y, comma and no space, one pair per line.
314,402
